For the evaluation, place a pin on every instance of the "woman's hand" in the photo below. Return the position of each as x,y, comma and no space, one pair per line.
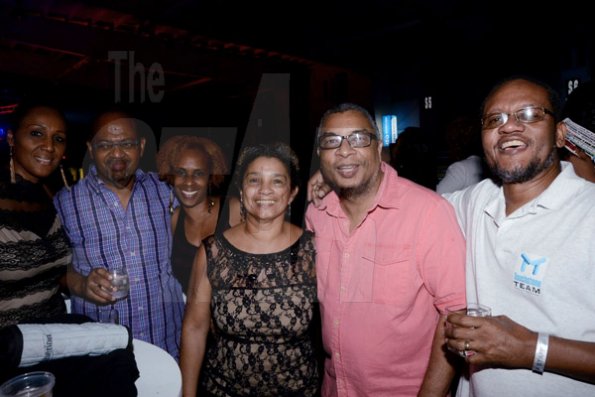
317,188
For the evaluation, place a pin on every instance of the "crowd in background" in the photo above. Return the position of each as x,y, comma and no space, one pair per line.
355,300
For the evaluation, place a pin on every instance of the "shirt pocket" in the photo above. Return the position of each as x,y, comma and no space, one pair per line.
394,275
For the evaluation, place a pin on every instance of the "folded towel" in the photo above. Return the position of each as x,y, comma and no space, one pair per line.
43,342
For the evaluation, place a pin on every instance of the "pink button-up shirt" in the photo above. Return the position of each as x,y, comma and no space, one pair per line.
382,285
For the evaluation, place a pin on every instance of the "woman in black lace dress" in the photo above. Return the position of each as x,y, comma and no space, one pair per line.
34,251
34,258
258,283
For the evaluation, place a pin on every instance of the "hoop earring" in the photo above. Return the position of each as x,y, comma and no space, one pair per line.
171,202
13,176
66,185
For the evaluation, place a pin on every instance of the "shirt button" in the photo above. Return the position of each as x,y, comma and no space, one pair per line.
336,323
337,355
346,255
133,253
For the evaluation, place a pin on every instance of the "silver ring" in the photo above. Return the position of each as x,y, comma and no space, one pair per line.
466,345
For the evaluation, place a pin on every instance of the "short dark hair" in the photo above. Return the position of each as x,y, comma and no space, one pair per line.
346,107
278,150
553,96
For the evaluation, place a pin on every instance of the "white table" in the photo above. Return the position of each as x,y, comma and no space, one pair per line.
159,372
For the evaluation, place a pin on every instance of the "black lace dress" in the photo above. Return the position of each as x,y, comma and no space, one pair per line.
263,307
34,252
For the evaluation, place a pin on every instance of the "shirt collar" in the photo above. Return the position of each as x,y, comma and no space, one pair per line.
556,195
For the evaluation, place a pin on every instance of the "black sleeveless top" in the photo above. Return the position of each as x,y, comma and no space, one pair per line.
263,307
182,254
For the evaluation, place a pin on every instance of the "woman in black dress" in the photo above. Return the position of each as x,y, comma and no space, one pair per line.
257,282
195,168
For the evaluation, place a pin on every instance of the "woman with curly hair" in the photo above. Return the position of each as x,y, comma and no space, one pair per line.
194,167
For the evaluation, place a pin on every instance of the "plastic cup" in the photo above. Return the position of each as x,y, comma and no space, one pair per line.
472,310
450,310
477,310
30,384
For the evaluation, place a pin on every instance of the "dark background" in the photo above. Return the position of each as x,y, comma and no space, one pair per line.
244,72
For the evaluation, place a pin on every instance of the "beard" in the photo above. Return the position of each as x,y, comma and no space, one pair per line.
523,174
120,177
351,192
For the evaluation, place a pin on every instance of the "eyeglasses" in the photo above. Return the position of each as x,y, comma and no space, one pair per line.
108,146
356,139
531,114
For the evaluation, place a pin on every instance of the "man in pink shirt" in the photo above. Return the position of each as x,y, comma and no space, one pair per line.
390,258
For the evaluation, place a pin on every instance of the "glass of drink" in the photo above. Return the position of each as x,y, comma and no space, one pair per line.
477,310
472,310
120,282
30,384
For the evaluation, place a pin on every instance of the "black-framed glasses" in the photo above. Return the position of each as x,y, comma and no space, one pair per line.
356,139
108,146
530,114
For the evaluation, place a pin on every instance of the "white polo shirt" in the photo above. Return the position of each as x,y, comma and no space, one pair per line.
537,266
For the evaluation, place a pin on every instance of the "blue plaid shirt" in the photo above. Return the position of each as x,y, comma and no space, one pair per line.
104,234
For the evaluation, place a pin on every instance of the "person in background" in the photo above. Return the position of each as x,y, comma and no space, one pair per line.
194,167
413,156
465,152
390,259
34,251
118,216
530,256
257,282
579,111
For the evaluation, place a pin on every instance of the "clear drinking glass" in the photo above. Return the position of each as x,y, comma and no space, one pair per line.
477,310
30,384
473,310
120,282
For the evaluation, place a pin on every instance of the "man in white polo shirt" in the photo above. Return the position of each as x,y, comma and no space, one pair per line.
530,255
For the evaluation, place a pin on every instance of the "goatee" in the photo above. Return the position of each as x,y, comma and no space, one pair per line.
523,174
